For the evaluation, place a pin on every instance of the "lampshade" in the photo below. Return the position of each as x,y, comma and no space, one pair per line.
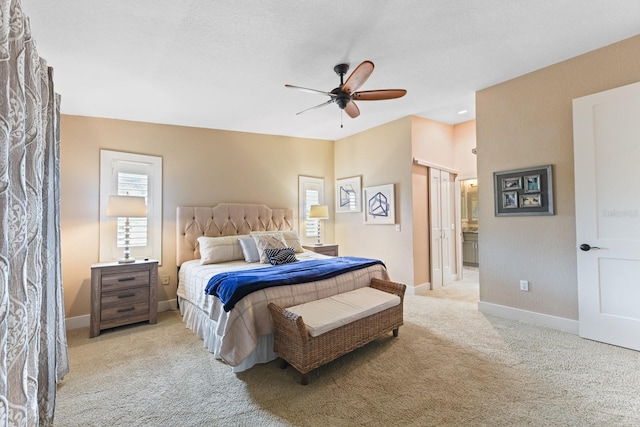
319,212
126,206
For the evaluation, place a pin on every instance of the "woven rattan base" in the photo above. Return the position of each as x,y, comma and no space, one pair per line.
305,353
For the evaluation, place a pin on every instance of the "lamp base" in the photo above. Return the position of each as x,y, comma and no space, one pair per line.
126,260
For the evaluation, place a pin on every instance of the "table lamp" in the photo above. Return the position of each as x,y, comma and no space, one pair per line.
126,207
319,212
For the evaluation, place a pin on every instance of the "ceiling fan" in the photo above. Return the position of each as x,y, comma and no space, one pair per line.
346,93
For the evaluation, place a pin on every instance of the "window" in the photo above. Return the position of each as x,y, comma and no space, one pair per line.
133,175
310,192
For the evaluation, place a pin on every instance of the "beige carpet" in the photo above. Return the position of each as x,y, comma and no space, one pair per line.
451,365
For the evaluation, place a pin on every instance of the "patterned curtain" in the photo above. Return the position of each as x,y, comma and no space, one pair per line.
33,347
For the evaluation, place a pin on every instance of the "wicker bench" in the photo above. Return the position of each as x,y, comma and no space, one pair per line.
296,347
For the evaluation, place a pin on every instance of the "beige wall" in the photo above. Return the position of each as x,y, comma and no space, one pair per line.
432,141
527,122
464,140
381,155
200,167
448,146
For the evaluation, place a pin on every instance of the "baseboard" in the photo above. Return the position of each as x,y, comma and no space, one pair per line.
171,304
83,321
559,323
422,289
77,322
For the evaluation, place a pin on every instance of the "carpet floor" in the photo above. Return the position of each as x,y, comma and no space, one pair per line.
450,365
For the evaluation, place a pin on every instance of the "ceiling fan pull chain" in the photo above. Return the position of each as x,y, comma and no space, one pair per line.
341,119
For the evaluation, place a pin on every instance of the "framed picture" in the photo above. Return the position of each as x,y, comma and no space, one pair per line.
514,183
510,199
379,204
348,195
532,183
524,191
530,200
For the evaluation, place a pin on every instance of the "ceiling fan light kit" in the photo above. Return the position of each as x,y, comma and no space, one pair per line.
345,94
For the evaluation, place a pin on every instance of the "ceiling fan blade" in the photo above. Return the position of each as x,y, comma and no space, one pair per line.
304,89
376,95
358,77
317,106
352,109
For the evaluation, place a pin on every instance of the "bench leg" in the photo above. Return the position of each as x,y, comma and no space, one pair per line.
396,331
283,364
304,379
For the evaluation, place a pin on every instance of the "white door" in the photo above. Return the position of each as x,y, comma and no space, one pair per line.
607,162
435,220
441,223
447,198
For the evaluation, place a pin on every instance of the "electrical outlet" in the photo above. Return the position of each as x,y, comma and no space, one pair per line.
398,227
524,285
165,279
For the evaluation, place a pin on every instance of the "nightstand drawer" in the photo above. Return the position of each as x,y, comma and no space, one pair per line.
124,310
124,296
118,280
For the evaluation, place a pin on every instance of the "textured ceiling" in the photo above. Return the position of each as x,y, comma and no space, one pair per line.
224,64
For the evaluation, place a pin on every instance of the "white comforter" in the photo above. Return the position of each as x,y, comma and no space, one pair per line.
236,336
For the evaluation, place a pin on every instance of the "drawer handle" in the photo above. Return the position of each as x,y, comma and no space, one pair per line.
123,310
129,295
126,279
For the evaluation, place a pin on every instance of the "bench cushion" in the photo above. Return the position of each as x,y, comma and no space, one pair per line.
325,314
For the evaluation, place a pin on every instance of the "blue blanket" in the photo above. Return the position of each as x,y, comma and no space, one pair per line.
230,287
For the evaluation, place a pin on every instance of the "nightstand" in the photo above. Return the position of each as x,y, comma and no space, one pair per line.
122,294
331,250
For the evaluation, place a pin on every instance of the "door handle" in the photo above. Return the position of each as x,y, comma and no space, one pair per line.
586,247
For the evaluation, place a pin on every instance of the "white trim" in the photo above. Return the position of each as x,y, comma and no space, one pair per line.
168,305
429,164
422,289
153,167
553,322
83,321
77,322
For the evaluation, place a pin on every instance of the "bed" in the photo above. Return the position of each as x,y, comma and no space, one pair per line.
243,336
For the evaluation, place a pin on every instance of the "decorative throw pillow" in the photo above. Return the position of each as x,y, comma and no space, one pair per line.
290,237
219,249
293,240
279,256
271,241
249,249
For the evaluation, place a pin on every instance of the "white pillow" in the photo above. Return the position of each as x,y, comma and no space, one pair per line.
219,249
293,240
249,249
268,240
290,236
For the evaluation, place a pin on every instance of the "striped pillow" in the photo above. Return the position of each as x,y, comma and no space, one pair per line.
279,256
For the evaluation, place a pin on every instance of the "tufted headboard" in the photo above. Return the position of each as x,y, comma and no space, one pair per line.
224,219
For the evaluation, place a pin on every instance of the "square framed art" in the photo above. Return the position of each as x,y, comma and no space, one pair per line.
379,204
348,195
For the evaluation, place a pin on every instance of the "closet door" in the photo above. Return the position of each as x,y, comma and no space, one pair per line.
441,214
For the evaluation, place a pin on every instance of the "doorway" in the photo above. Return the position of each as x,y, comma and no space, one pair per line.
469,222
